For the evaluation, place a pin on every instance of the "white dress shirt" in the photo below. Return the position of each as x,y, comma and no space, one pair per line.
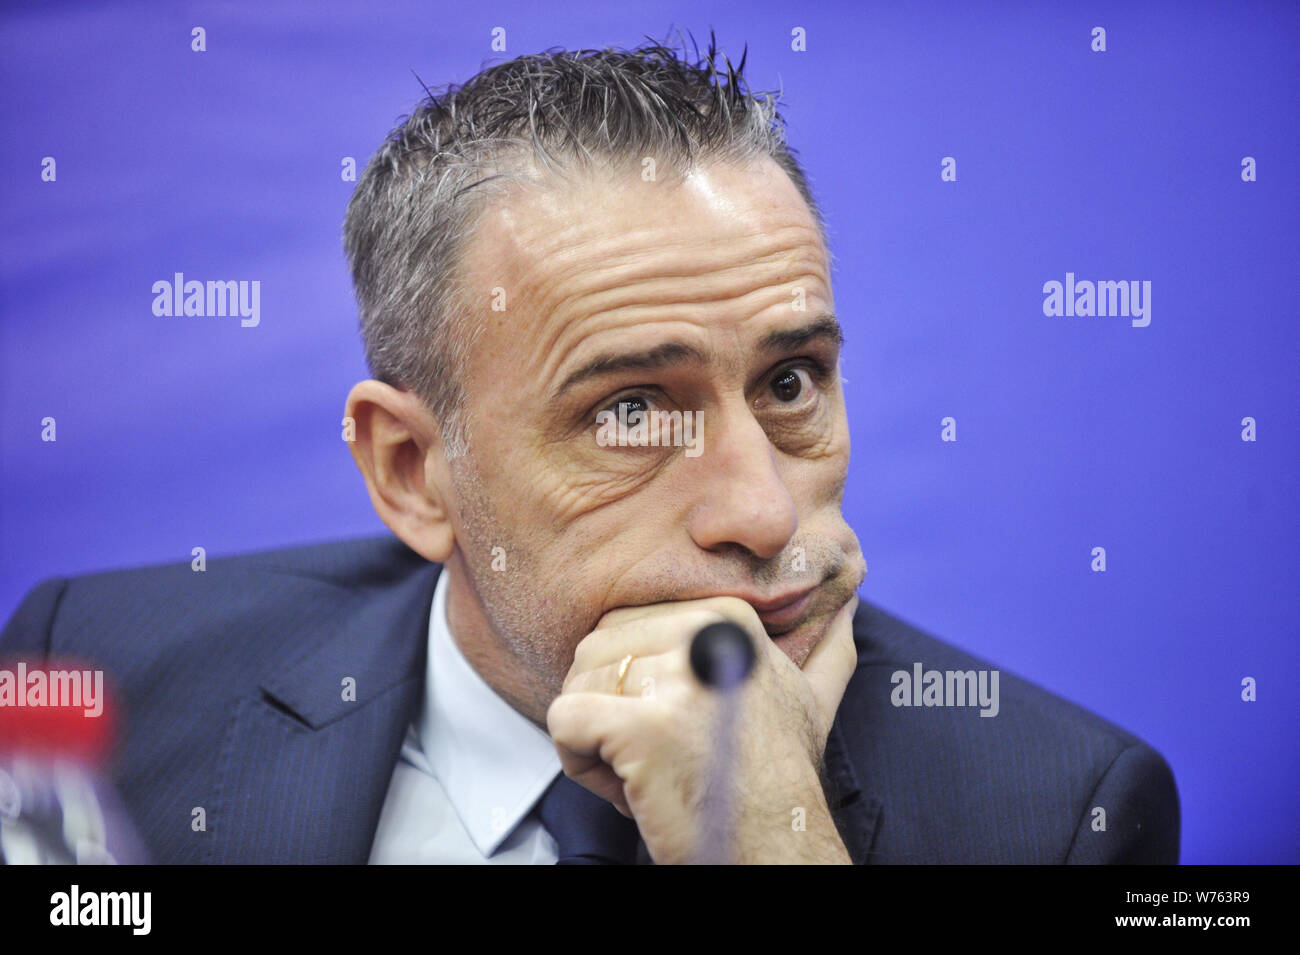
470,773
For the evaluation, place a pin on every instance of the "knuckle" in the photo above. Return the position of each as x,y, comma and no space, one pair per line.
734,608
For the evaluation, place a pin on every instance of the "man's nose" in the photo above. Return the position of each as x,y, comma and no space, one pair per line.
740,495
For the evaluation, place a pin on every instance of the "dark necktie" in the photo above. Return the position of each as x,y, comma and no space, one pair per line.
587,830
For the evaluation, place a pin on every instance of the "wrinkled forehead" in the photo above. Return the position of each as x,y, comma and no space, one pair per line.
554,262
543,220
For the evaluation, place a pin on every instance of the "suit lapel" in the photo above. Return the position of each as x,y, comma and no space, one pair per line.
306,760
856,813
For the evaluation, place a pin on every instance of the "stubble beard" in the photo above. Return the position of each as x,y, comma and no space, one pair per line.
526,655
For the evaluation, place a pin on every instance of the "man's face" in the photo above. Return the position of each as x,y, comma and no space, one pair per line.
709,295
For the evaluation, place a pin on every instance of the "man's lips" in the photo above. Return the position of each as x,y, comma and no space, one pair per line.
782,611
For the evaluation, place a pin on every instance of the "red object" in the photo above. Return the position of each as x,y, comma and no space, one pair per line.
57,711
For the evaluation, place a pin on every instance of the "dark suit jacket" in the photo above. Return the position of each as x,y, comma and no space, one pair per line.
230,685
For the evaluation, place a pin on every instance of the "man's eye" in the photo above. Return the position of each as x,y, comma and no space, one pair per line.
790,384
626,406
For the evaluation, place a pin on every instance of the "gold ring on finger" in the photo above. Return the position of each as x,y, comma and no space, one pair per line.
622,673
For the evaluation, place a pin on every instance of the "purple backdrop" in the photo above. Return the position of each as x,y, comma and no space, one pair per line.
1072,432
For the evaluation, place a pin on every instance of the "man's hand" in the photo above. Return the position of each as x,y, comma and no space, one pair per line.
649,751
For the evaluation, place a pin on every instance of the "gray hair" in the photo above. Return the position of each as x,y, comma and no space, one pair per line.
418,200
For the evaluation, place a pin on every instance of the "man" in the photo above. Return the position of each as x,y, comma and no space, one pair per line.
606,413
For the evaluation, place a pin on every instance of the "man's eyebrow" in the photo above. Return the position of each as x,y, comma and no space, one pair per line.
661,356
823,326
674,353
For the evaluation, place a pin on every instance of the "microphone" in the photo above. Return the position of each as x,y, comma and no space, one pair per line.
722,658
56,806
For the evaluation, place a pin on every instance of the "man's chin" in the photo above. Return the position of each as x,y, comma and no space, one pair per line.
799,642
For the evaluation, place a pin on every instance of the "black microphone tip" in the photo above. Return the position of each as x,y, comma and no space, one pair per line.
722,656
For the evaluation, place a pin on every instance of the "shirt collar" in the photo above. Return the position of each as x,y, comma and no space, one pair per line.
493,763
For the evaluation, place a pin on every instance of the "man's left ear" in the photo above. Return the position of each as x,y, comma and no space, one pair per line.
398,448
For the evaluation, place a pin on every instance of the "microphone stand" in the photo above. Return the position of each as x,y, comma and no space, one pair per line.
722,658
